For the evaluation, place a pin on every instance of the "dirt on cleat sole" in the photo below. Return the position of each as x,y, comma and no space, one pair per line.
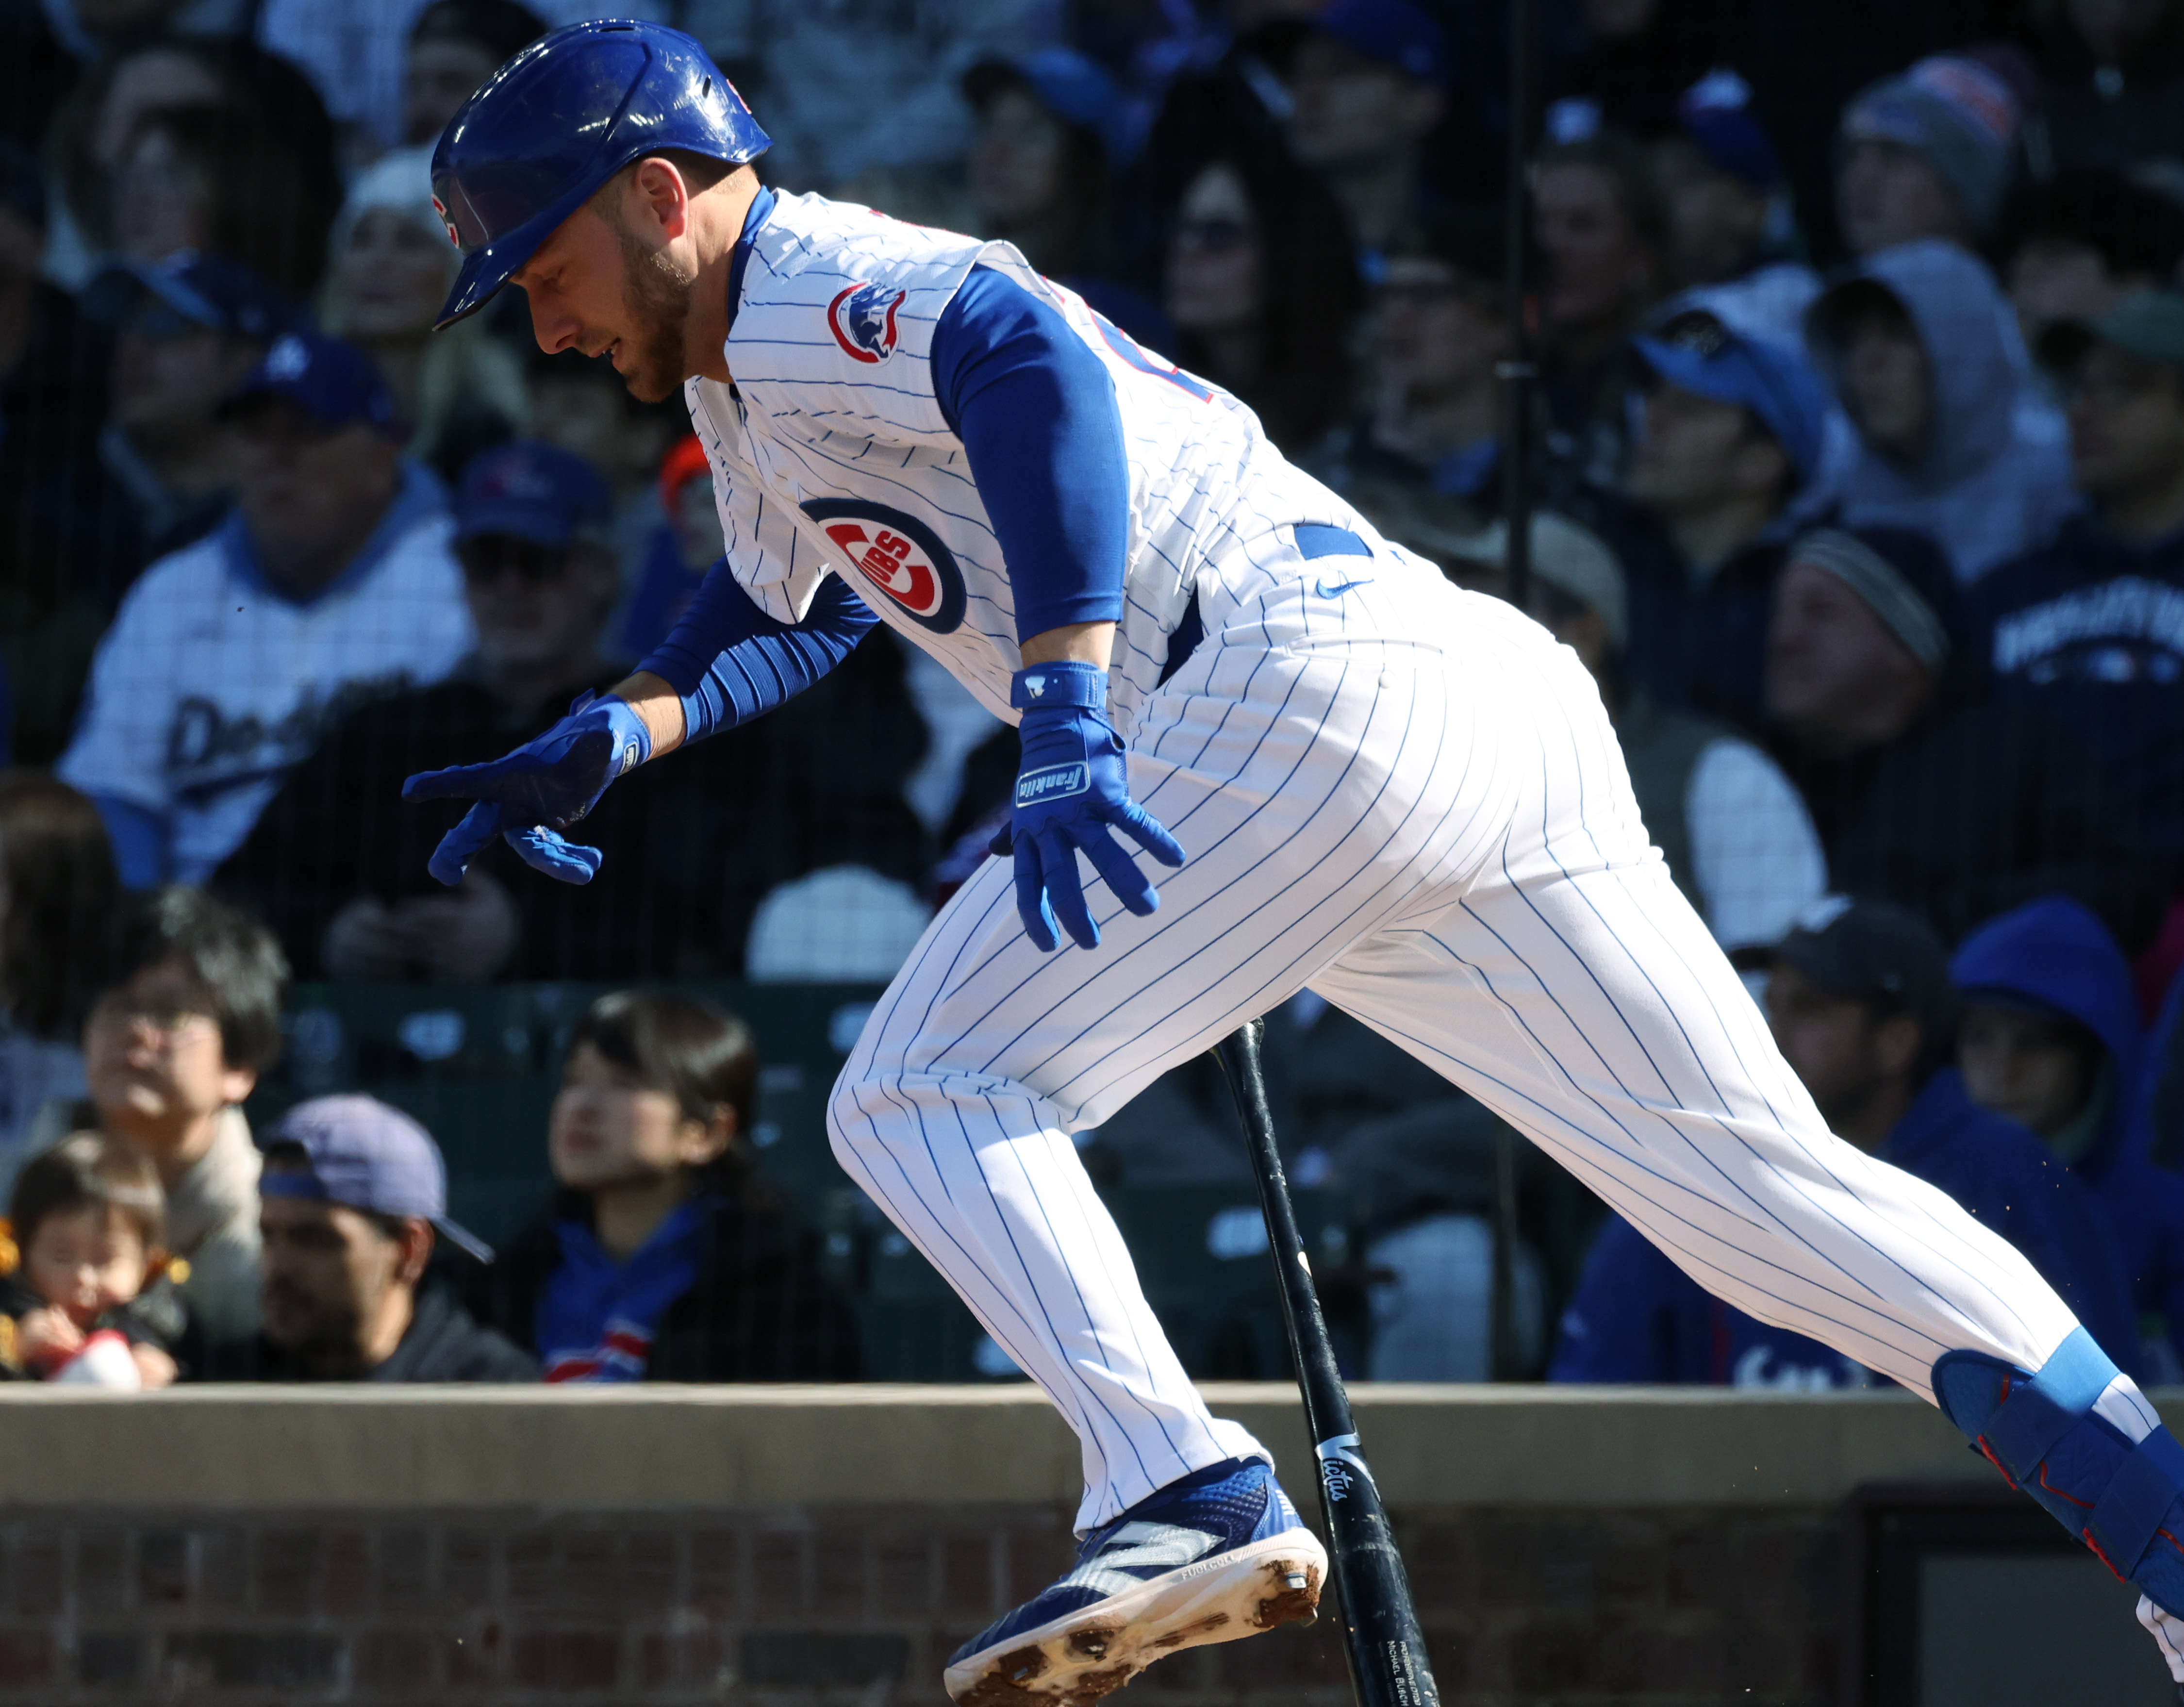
1079,1660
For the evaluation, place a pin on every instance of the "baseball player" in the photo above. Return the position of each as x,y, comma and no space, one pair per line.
1357,778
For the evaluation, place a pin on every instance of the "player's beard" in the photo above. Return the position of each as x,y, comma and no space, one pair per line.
656,297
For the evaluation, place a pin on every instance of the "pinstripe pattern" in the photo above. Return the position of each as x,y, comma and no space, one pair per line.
1406,797
1411,799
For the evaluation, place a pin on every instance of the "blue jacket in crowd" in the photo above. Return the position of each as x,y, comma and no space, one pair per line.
1637,1317
2091,629
2057,954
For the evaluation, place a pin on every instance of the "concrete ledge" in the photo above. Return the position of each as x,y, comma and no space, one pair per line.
573,1449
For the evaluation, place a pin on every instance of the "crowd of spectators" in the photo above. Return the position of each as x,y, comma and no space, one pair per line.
1858,453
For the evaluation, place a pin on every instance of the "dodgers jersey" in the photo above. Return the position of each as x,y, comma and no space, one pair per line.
832,454
213,680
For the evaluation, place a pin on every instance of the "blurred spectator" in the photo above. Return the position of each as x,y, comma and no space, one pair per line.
1635,59
174,1044
360,55
259,144
455,46
1737,837
188,332
663,1257
2114,81
581,404
353,1195
843,924
58,896
1731,234
855,86
1367,82
1600,224
200,178
2084,241
1439,330
1053,133
683,548
2158,1133
1725,465
455,392
89,1300
1919,345
1929,153
1262,289
2090,627
338,860
2051,1039
1860,1006
1179,1130
336,560
1922,797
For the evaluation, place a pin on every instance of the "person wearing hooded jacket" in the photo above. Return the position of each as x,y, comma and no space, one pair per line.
2050,1037
1859,999
1913,342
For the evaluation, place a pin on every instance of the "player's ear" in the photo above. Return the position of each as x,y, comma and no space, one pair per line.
658,196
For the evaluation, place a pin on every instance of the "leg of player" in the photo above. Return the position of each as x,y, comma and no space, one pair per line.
1571,988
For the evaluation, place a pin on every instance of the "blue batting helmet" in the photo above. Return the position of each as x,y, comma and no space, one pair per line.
557,121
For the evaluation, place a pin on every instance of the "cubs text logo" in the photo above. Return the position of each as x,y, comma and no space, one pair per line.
862,320
899,556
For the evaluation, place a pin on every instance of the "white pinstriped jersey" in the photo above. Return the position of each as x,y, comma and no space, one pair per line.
831,454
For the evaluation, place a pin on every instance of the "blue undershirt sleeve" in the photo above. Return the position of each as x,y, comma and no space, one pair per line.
1036,412
729,661
139,836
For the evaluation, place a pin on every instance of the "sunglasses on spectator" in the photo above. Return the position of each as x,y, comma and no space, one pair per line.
167,1016
488,557
270,421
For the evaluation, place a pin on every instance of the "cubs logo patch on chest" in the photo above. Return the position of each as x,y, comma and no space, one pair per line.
897,555
862,320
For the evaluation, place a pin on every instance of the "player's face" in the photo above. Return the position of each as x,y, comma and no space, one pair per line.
609,1127
596,287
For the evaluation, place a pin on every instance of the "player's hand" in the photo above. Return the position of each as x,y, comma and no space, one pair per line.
1072,789
528,797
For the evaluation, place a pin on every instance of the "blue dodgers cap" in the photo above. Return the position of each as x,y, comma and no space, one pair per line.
559,119
1395,32
531,490
1716,114
207,290
1697,354
333,382
363,1154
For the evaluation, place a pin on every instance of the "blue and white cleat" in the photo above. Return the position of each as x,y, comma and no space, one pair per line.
1220,1555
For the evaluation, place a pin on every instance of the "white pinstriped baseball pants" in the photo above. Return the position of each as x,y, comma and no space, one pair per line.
1410,798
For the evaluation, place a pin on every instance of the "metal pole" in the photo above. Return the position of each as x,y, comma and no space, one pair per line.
1517,374
1519,371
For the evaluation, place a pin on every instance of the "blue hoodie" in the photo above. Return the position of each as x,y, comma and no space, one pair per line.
1995,481
1637,1317
2057,954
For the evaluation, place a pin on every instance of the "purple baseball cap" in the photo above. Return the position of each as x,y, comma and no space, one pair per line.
363,1154
333,382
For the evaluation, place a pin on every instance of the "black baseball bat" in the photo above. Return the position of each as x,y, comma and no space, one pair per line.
1386,1649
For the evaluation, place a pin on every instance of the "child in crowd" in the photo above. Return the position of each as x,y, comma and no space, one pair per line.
660,1258
90,1295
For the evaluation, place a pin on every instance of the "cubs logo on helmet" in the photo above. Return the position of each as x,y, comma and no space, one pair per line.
862,320
898,554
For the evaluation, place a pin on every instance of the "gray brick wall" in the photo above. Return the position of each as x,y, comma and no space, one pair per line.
236,1610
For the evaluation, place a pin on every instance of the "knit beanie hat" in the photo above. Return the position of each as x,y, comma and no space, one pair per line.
1963,116
1901,575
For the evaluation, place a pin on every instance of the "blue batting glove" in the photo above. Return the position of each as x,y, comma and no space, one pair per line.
528,796
1074,785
